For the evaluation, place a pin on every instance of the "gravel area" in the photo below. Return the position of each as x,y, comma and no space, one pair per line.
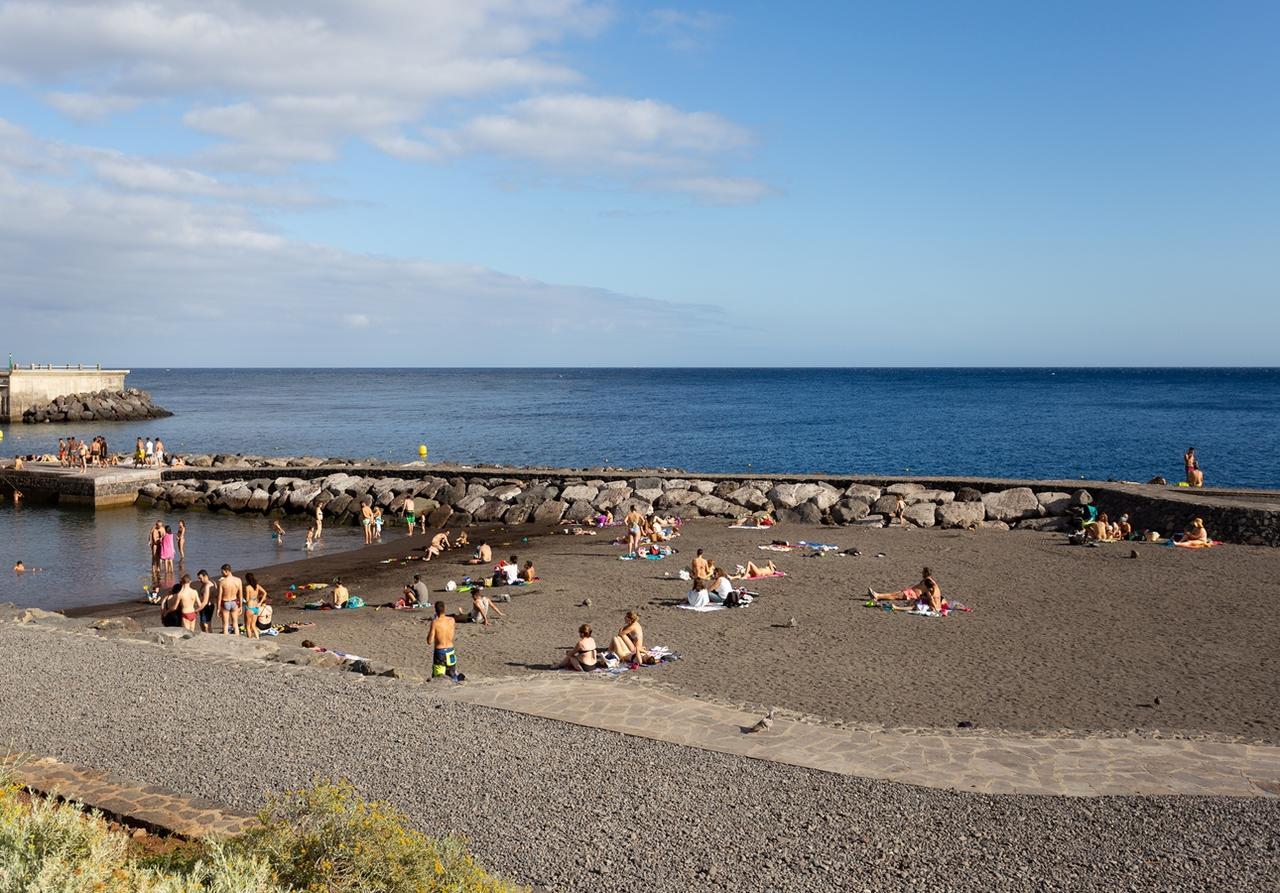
568,808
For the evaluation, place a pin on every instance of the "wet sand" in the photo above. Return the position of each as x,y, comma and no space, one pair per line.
1061,638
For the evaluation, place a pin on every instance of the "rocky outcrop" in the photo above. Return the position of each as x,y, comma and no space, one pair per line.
98,406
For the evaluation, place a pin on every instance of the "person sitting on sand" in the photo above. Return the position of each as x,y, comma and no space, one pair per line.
698,596
604,519
629,642
584,656
438,544
528,573
461,540
482,555
481,607
1124,530
340,594
926,590
1100,529
1195,533
263,624
722,585
507,573
755,571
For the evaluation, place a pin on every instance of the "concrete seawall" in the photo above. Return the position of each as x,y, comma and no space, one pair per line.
25,387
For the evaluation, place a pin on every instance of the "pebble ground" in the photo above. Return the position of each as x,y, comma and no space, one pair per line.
567,808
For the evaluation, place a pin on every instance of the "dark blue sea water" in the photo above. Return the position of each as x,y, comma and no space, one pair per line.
1045,423
1040,423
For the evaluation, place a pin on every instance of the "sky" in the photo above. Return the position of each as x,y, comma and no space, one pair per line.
580,183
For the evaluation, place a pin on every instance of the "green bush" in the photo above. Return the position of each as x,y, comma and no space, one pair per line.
321,840
327,839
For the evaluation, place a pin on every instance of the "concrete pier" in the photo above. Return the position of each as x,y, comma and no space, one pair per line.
33,385
95,487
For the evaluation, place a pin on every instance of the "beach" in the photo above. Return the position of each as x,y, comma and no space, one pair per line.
1061,639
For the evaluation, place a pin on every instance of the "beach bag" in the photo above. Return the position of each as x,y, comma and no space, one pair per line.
733,599
355,602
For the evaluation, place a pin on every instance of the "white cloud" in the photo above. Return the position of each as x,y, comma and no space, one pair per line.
292,81
684,30
168,274
718,190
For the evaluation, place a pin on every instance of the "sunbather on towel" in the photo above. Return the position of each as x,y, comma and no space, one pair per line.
1195,533
927,591
722,586
755,571
628,644
583,656
1101,530
698,596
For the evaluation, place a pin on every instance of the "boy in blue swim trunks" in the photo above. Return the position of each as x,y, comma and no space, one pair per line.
444,660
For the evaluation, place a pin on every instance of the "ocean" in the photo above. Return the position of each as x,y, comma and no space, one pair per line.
1128,424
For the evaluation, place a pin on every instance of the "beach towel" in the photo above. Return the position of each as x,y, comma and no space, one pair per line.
777,547
1198,544
821,547
767,576
752,526
702,608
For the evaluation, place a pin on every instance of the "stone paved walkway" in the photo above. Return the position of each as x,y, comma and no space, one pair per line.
982,763
148,805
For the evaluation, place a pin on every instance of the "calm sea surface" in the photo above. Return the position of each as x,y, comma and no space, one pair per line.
1042,423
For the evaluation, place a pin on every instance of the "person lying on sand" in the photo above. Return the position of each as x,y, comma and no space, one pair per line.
583,656
927,591
628,644
754,571
759,522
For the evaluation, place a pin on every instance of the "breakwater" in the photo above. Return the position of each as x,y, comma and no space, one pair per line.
101,406
460,496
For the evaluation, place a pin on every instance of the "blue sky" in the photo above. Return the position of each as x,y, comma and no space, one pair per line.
561,182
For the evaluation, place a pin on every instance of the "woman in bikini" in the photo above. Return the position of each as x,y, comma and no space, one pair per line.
1195,477
755,571
583,656
255,597
629,642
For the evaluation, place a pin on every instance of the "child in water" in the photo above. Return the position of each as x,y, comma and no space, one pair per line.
277,533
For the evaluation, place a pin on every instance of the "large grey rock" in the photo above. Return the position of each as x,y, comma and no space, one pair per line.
1011,505
648,494
505,492
809,513
847,510
1052,523
676,498
748,497
647,484
181,497
490,510
1081,497
580,511
885,505
968,494
825,498
962,515
675,484
903,489
865,492
440,516
611,497
235,497
615,485
993,525
632,502
516,514
469,503
258,501
476,489
714,505
790,496
1054,503
550,512
702,488
937,497
921,514
579,493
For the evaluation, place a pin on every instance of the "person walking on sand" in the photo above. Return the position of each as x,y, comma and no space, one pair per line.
1195,477
182,541
230,593
634,522
444,660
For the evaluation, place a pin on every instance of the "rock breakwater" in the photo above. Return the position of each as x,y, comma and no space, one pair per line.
103,406
463,499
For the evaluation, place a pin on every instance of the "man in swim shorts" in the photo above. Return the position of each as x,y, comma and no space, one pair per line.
410,516
444,660
207,605
230,593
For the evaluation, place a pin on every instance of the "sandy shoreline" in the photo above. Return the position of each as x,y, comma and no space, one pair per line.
1061,638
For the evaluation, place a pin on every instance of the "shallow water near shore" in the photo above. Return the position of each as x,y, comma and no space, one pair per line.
89,558
1129,424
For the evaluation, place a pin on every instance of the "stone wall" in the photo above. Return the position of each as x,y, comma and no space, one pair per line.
26,387
103,406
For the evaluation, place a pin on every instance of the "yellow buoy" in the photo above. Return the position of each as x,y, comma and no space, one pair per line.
422,450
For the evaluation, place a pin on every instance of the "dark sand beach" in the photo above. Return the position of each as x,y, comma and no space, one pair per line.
1061,638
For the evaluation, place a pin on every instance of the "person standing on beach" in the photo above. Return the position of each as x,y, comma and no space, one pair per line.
366,521
319,520
444,660
634,521
1195,477
188,604
230,592
207,605
139,454
410,516
151,452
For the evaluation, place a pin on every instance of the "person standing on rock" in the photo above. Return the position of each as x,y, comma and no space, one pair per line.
410,516
150,452
230,592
